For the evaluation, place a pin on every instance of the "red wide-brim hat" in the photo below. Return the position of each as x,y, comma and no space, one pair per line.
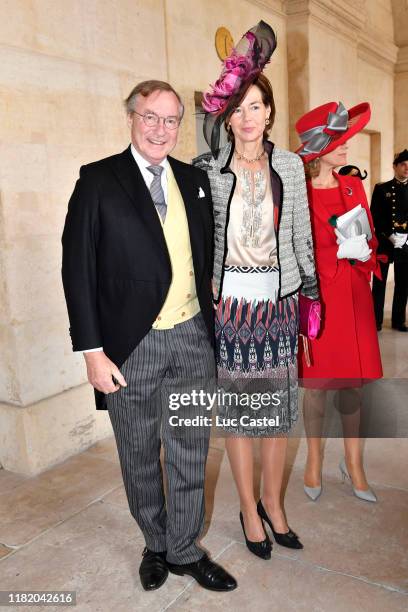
326,127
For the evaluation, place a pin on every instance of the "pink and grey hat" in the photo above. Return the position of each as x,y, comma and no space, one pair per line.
239,70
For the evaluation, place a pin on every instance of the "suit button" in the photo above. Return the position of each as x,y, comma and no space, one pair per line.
182,314
189,295
191,273
158,318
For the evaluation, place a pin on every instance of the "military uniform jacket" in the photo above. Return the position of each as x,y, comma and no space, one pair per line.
389,209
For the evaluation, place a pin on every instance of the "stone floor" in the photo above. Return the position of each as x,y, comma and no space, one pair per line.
70,529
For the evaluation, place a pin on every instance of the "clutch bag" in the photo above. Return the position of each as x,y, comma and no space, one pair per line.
309,322
309,316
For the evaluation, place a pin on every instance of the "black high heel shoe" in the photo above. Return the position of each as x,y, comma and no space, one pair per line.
260,549
288,539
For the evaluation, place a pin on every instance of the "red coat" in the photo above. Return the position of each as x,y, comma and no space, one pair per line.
346,352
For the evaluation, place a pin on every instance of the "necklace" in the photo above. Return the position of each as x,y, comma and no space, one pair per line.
249,161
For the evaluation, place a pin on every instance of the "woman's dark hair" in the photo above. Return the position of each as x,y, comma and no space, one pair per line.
265,88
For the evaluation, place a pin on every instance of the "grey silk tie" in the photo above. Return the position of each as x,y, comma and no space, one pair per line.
156,191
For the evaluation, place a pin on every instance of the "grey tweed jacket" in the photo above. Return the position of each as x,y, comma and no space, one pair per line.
294,237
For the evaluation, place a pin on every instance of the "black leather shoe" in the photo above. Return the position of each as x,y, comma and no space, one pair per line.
288,539
402,328
208,574
153,570
260,549
379,327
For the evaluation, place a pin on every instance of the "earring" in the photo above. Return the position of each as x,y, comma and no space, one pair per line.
267,121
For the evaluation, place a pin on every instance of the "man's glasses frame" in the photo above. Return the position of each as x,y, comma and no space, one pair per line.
151,119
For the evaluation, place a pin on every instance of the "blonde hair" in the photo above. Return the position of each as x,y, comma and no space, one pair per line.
312,168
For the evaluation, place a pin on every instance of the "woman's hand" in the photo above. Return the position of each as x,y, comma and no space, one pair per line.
355,247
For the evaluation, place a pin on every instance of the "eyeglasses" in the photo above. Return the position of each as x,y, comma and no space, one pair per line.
151,119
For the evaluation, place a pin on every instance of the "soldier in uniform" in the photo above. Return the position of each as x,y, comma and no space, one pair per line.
389,208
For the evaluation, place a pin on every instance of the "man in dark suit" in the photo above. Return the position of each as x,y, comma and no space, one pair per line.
137,252
389,208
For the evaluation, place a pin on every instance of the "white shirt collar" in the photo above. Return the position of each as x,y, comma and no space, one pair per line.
143,163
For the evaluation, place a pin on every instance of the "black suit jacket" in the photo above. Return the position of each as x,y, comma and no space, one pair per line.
116,267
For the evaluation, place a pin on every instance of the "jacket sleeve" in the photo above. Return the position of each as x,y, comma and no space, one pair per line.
79,264
381,214
376,211
370,265
302,234
202,161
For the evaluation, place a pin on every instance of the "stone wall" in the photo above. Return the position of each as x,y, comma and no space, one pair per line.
345,51
400,9
65,69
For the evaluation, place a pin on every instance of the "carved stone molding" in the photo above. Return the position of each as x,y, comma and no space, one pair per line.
274,6
402,60
378,52
347,19
400,13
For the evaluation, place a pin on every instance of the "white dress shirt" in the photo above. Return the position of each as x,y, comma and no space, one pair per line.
147,175
143,164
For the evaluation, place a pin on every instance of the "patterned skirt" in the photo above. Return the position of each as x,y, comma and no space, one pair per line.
256,353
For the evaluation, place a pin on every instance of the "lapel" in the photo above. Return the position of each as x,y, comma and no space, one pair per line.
183,173
127,172
221,165
276,182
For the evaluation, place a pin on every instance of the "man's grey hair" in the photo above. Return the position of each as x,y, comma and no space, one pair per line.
145,88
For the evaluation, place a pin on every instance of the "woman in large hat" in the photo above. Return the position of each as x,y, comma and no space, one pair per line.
263,255
346,354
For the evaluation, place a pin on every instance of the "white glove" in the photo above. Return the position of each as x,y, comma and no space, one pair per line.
398,240
355,247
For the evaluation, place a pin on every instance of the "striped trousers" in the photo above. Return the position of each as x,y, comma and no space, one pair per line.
164,362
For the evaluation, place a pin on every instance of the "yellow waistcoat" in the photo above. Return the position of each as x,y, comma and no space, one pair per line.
181,302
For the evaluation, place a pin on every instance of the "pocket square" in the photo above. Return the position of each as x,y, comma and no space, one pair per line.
201,193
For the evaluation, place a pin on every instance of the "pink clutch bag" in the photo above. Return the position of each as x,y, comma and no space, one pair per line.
309,316
309,323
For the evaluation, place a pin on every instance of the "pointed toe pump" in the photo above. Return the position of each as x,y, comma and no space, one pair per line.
313,492
288,539
260,549
365,495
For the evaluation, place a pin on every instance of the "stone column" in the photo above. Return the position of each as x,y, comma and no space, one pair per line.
344,51
400,12
401,100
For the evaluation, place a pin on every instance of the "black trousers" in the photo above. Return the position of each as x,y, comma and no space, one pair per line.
399,302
